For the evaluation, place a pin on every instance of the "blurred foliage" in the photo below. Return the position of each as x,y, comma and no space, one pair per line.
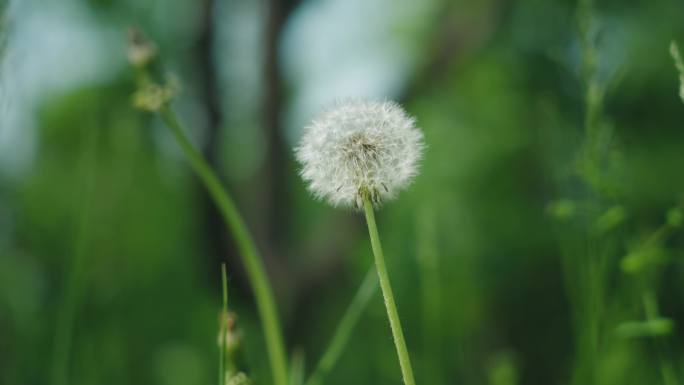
525,253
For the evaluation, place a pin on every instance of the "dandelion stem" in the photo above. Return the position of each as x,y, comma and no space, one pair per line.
393,315
250,256
345,328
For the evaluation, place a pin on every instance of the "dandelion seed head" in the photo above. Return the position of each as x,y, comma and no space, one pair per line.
360,147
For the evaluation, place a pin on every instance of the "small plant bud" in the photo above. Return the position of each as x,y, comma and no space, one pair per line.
609,220
675,217
151,96
651,328
562,210
141,51
229,335
239,379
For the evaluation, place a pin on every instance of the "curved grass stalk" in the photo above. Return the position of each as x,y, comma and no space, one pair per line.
248,251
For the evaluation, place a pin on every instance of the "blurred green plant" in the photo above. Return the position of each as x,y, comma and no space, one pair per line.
344,328
76,279
428,260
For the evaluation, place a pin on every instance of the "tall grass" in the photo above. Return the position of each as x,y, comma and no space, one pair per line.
585,242
593,239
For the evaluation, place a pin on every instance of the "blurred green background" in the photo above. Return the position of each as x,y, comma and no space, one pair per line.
536,247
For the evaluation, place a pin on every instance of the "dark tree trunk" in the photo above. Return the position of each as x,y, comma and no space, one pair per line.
215,228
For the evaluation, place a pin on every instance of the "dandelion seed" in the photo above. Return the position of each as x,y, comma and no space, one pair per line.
360,147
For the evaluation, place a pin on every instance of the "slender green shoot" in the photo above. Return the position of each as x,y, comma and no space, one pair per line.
591,269
345,328
594,93
223,328
297,367
253,263
224,285
392,313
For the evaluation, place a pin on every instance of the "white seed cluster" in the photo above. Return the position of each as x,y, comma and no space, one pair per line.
357,148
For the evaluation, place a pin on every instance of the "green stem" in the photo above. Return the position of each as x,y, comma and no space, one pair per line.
297,367
594,157
250,257
223,327
666,367
345,328
593,97
393,315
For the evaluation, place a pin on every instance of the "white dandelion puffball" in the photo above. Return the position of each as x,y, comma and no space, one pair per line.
358,148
